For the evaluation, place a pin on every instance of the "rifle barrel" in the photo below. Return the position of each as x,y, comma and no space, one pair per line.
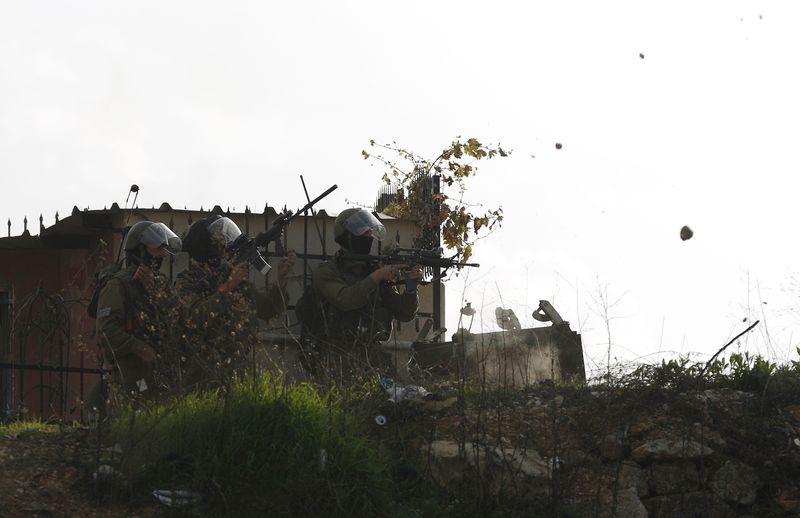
409,259
315,200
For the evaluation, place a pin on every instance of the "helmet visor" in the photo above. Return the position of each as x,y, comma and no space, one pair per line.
225,228
158,235
363,223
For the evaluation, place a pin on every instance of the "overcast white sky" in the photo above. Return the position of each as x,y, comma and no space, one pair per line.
204,103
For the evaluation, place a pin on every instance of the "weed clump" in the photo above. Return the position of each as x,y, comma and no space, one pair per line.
259,448
775,382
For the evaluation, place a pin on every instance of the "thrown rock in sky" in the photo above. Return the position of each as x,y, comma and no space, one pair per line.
686,233
558,145
641,55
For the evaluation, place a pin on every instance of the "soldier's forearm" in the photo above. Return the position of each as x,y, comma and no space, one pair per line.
350,298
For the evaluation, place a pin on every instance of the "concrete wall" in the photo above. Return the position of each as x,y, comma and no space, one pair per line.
51,289
508,358
500,359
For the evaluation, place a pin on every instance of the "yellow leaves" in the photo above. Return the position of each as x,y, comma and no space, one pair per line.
475,149
477,223
414,199
394,210
463,171
445,212
466,254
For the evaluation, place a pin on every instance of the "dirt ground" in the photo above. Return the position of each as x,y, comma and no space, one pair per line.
46,474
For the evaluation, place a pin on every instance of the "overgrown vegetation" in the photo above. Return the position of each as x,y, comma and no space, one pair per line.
262,447
15,428
776,382
291,450
415,198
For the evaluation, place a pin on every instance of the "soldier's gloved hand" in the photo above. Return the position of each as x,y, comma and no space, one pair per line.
387,273
285,266
237,275
412,278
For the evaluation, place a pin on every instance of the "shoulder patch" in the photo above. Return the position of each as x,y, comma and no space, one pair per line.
104,312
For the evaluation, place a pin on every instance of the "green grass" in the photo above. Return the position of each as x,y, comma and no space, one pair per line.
31,426
739,371
266,449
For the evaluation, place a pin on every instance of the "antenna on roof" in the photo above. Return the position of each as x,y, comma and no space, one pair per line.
134,189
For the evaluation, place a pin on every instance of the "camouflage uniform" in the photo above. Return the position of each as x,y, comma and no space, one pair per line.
355,312
126,327
220,326
129,320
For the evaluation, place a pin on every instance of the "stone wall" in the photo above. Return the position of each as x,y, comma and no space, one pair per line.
711,453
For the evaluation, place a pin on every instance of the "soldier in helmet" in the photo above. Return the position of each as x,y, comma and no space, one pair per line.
357,301
126,311
219,304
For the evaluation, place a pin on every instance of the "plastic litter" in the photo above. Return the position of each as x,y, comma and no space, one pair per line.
399,393
141,385
177,497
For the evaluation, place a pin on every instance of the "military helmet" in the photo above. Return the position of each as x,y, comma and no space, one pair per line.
206,239
357,222
224,229
152,234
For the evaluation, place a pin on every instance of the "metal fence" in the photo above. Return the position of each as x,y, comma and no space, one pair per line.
43,370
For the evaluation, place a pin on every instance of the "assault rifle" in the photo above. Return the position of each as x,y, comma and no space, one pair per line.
411,257
246,248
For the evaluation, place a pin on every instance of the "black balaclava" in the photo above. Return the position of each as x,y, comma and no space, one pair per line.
357,244
200,245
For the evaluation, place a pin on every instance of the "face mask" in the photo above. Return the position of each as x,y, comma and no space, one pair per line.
360,244
141,257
